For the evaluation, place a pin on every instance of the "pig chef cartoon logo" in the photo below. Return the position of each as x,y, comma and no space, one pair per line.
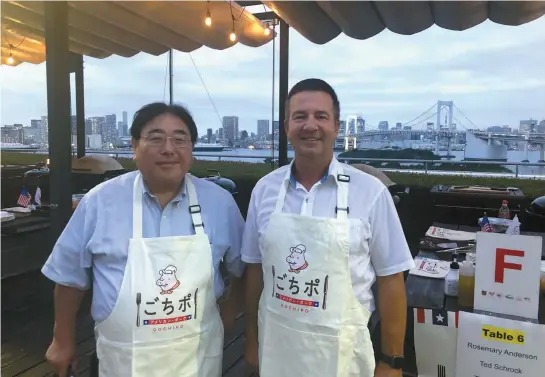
296,259
168,280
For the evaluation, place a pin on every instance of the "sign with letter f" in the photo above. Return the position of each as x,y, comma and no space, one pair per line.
507,274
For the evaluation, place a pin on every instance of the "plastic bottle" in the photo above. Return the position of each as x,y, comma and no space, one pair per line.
504,212
451,280
466,284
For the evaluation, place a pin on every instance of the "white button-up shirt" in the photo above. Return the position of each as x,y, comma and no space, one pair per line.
369,200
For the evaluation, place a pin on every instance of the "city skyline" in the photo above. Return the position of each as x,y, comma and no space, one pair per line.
493,72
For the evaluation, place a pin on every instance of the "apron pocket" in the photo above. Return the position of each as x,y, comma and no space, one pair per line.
173,358
289,352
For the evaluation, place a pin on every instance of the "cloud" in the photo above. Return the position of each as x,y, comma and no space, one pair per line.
493,73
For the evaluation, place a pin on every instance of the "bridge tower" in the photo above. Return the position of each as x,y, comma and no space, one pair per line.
350,135
443,108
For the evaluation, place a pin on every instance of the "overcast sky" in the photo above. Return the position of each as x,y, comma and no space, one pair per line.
495,74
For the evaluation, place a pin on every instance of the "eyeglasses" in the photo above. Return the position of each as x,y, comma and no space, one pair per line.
158,140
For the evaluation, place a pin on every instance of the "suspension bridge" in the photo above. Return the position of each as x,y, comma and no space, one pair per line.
442,123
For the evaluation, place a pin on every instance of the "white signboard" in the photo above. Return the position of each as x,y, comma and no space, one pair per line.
497,347
507,274
435,334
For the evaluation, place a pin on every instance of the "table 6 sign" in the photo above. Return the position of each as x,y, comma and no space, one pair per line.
506,284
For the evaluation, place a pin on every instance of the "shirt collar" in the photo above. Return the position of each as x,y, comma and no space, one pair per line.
332,171
181,193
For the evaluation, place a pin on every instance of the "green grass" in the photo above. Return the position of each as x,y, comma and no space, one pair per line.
254,171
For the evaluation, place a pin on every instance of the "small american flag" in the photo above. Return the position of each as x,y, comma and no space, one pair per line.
24,198
38,196
485,226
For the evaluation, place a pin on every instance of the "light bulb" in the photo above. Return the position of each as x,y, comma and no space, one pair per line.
233,36
267,31
10,59
208,19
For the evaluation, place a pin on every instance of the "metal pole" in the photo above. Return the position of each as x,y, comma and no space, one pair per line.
80,106
171,77
273,91
283,92
58,112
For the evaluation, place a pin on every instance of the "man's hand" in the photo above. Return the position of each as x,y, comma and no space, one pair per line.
251,354
383,370
61,356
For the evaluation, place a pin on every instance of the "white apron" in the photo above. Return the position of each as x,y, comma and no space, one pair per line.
310,322
165,322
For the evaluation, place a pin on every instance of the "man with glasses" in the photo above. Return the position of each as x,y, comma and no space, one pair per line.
150,243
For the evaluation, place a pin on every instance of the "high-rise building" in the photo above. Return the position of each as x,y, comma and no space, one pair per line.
44,125
383,125
109,131
13,134
528,125
399,125
342,127
95,125
125,120
209,135
230,128
73,125
541,127
262,128
276,129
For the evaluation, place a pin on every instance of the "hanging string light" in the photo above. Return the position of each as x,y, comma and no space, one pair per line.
11,47
233,35
208,19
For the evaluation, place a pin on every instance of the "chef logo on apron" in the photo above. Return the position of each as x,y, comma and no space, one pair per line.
167,310
295,291
168,280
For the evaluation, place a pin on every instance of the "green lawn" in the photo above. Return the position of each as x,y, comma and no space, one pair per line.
244,170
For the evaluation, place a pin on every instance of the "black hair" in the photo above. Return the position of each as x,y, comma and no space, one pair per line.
151,111
316,85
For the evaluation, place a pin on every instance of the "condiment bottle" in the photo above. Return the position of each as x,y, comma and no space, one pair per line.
504,212
466,284
452,278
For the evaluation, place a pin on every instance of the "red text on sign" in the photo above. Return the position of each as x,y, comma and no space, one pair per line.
502,265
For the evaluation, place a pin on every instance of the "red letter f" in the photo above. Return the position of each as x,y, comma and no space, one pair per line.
501,265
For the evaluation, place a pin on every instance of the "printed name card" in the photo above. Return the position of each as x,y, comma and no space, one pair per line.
496,347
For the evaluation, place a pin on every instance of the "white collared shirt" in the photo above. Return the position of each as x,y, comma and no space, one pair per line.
368,200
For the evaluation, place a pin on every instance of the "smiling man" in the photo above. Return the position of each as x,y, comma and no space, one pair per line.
318,234
150,243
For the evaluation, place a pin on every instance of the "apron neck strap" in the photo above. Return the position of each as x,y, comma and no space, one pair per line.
194,207
341,209
138,189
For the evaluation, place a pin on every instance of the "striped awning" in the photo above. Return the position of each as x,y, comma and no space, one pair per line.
322,21
103,28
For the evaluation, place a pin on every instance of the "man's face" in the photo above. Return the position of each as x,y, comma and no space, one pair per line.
312,126
164,152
